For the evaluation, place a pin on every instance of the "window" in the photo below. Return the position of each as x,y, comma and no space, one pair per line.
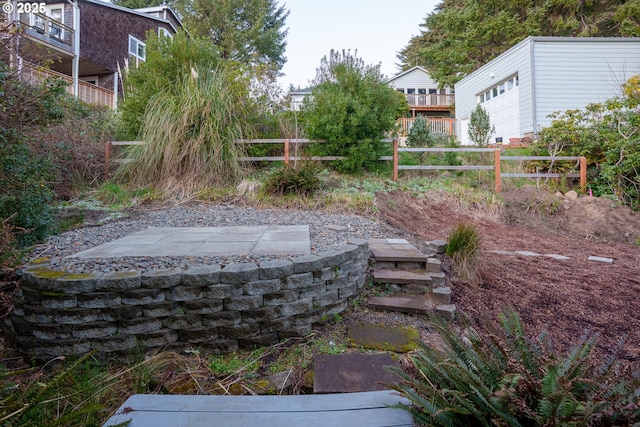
481,98
487,95
411,91
495,92
137,50
423,91
163,32
517,81
401,90
501,88
509,84
433,91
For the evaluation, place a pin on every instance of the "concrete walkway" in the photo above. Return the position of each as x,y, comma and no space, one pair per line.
207,241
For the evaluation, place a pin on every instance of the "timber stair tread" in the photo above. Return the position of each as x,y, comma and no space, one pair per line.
416,278
419,277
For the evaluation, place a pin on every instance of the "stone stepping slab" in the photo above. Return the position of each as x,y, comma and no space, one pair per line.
354,372
402,277
400,339
395,250
412,304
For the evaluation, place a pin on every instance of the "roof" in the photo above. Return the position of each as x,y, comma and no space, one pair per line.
161,8
138,12
417,67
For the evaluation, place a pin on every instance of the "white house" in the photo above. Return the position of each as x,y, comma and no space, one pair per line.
296,98
541,75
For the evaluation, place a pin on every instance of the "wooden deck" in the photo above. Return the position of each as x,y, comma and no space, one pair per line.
368,409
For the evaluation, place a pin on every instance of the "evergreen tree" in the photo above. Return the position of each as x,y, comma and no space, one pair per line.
480,128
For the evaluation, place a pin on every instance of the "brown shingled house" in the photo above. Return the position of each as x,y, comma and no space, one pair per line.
87,42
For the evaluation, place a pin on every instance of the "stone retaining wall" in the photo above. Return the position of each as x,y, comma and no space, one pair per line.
208,307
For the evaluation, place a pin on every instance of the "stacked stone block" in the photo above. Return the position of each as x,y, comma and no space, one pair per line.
205,307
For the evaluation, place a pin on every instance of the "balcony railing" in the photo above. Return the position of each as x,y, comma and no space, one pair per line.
87,92
444,126
430,100
48,30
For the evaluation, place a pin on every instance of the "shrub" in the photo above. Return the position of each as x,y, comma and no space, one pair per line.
463,248
353,109
480,128
507,378
24,179
420,135
302,180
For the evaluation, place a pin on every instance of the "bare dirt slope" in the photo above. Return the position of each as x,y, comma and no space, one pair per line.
564,298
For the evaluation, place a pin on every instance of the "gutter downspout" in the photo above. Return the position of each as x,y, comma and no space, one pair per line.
533,89
76,46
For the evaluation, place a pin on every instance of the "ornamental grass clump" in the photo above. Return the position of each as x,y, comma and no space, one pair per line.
463,247
190,135
506,378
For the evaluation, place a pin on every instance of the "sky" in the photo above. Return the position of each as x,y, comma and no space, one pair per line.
378,29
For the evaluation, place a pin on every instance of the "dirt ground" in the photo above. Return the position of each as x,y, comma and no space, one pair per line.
565,298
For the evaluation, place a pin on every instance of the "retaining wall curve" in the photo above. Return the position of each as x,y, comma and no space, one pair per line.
204,307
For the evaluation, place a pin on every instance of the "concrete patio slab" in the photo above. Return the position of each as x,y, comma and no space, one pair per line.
207,241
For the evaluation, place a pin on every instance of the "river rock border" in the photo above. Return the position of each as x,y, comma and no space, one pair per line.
208,307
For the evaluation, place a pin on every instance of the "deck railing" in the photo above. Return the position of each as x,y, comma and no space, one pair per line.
444,126
430,100
87,92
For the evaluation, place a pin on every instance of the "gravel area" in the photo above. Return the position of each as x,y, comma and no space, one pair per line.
327,231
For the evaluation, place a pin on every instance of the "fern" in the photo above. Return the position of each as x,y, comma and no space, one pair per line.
505,378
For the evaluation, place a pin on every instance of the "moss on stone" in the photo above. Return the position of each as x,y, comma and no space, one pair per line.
79,276
52,294
37,261
47,273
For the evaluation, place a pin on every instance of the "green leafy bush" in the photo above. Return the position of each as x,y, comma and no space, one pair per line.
302,180
463,247
353,109
420,135
505,378
608,135
24,180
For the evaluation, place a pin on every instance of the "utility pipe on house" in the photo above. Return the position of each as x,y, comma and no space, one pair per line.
76,45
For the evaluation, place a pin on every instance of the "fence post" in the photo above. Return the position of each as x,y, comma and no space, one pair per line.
395,159
496,167
107,156
583,174
286,151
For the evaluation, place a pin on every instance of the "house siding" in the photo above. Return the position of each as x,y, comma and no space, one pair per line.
104,34
572,74
516,61
416,79
555,74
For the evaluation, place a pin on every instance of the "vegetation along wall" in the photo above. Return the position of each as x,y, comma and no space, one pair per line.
204,307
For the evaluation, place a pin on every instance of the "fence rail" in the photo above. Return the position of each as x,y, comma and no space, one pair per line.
498,159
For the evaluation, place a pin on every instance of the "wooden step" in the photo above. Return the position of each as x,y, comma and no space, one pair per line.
412,304
402,303
394,250
417,277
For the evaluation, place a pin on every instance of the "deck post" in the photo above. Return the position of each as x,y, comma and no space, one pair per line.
395,159
286,151
107,156
497,169
583,174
